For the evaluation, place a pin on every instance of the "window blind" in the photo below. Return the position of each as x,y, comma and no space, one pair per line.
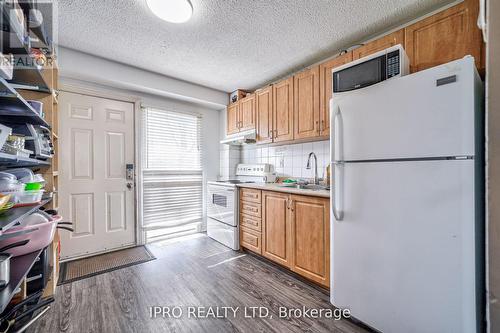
172,174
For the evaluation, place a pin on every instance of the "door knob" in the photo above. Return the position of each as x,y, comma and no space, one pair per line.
129,186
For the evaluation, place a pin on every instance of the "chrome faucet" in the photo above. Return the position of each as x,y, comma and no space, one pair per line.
308,166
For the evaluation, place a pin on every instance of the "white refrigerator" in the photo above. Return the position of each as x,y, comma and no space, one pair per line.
407,201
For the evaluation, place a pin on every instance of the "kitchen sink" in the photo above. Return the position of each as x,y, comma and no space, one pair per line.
311,187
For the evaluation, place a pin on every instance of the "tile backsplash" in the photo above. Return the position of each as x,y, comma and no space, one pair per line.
230,156
288,160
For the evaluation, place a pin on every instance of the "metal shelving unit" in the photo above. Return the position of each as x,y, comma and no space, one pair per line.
29,76
29,82
14,108
20,266
14,215
13,161
37,31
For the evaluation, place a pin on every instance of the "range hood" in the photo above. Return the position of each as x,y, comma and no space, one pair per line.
240,138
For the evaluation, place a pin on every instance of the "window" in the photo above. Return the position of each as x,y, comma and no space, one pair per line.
172,174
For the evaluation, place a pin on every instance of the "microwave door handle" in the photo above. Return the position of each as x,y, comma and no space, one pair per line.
336,151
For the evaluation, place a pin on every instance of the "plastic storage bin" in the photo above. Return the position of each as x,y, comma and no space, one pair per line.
22,174
26,197
9,183
41,236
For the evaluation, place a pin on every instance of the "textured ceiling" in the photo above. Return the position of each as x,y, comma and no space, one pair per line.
229,44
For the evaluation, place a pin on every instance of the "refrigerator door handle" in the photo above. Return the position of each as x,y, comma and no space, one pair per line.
336,142
338,165
338,179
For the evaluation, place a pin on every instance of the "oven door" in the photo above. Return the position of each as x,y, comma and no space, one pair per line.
221,205
360,75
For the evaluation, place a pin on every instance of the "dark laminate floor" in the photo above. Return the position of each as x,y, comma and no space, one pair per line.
188,273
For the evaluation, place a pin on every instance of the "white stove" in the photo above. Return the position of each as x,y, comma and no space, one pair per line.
222,205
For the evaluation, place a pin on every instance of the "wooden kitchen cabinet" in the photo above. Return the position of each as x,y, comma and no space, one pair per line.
251,195
310,233
232,118
251,239
251,222
264,111
250,208
283,110
276,230
250,219
306,103
395,38
325,90
247,116
241,115
445,36
291,230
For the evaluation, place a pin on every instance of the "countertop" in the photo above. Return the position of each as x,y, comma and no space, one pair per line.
277,188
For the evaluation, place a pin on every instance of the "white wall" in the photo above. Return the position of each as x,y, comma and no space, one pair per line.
83,66
79,70
493,165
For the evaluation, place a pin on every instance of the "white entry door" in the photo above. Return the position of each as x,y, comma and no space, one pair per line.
96,144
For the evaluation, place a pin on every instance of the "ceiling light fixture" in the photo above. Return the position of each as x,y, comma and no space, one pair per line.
175,11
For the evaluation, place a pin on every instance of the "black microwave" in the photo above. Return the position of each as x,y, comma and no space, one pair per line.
372,69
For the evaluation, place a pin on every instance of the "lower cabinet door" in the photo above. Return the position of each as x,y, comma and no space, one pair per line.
251,240
276,227
310,228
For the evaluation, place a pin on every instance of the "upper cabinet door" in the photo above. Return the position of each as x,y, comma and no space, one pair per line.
247,119
445,36
264,108
395,38
306,103
283,110
325,91
232,118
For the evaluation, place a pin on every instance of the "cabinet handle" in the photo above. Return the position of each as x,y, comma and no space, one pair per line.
291,205
317,126
270,134
322,127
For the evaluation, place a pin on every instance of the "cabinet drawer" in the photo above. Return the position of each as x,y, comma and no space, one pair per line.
250,195
250,208
251,222
250,239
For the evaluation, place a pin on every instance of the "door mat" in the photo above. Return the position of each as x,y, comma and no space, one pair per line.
75,270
